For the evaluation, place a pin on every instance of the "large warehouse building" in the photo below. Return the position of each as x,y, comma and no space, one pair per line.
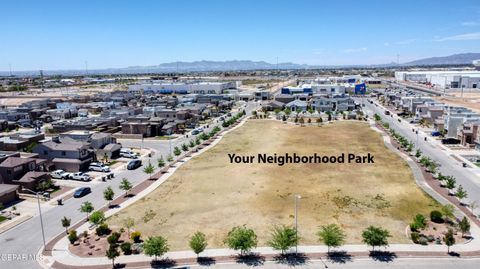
443,79
183,88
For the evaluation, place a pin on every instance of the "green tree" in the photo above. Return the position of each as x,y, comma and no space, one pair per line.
155,246
241,238
449,239
301,121
448,211
108,195
283,238
177,151
125,185
66,223
450,183
464,226
128,223
169,158
461,193
112,253
198,242
160,162
198,141
72,236
192,143
97,217
149,169
331,235
319,120
184,147
86,207
418,153
375,236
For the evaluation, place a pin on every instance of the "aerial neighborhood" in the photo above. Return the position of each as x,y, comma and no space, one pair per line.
240,134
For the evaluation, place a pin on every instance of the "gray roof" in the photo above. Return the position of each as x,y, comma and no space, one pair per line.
67,146
7,188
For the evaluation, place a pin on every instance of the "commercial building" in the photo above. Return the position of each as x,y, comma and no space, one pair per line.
183,88
442,79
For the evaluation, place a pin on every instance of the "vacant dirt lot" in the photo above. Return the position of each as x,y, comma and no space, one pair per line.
469,100
211,195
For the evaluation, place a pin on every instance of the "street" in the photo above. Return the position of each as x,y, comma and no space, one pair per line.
365,263
448,166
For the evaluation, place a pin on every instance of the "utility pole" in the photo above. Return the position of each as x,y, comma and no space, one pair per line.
86,68
10,68
41,80
277,64
296,222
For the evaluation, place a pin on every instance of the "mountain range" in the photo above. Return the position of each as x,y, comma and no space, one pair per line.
235,65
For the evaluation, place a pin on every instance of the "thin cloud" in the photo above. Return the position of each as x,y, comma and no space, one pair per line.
462,37
355,50
405,42
470,23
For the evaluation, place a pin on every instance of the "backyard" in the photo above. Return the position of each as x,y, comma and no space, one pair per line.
211,195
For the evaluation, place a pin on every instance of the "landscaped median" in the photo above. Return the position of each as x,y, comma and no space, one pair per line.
244,207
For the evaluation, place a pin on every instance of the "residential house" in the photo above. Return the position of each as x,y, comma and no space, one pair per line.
297,105
18,171
66,154
8,193
323,104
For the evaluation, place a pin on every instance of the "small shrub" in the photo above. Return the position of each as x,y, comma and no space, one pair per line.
137,248
414,227
72,236
436,216
423,241
113,238
126,248
430,238
102,229
135,236
415,237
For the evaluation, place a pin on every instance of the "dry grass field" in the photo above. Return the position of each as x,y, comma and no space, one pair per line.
469,100
211,195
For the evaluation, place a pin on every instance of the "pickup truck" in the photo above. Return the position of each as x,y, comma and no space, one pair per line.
60,174
80,176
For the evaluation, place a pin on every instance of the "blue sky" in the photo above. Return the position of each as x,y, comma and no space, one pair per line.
65,34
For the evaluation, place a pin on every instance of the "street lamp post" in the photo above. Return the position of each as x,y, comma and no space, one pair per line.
297,196
40,212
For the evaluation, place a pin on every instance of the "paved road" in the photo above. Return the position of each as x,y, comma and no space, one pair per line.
417,263
449,166
26,238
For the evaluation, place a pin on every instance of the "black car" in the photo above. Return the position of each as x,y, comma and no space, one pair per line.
134,164
82,192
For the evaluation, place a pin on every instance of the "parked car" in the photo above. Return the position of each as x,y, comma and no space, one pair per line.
435,133
134,164
128,153
100,167
60,174
195,132
80,176
450,141
82,192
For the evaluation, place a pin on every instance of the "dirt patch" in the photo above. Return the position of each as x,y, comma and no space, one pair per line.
211,195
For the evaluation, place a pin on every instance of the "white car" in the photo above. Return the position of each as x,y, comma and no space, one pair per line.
80,176
60,174
128,153
100,167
